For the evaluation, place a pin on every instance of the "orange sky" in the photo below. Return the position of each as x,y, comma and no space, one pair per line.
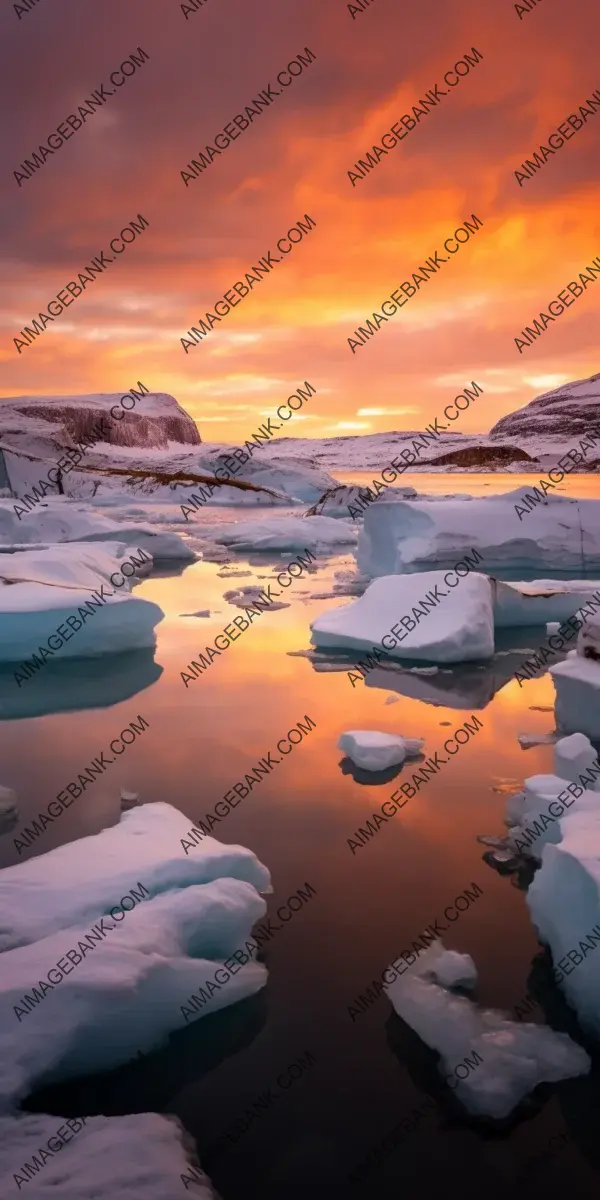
293,160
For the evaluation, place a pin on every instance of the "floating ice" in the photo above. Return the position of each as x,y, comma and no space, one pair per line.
421,535
513,1057
577,684
319,534
572,757
374,751
139,1157
458,630
78,882
541,601
58,521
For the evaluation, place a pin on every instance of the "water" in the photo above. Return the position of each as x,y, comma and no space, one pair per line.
368,1073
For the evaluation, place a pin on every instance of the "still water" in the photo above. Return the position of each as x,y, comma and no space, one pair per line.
366,1074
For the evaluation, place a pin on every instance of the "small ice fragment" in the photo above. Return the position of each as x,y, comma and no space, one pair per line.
374,751
129,799
202,612
552,626
528,740
453,970
8,802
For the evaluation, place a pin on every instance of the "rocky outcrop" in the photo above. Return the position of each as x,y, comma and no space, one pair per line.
482,456
562,417
47,423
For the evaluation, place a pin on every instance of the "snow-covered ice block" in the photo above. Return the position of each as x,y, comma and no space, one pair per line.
572,757
73,564
61,1017
319,534
138,1157
514,1056
374,751
588,642
459,629
541,601
452,970
564,902
78,882
31,613
419,535
577,705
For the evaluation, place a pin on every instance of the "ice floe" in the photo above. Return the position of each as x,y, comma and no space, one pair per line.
506,1059
374,751
77,882
420,535
541,601
577,684
61,520
320,534
143,1156
460,629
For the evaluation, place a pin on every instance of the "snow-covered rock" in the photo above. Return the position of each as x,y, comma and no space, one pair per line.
577,705
78,882
420,535
346,500
514,1057
459,629
374,751
143,1156
556,420
319,534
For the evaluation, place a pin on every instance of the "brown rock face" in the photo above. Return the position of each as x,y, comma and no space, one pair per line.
482,456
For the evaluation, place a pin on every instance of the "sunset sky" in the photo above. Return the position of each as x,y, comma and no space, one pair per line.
293,160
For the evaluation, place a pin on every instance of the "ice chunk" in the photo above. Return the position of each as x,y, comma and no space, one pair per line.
420,535
572,757
78,882
541,601
130,989
452,970
129,799
588,642
139,1157
375,751
319,534
8,802
58,521
500,1061
528,740
459,630
577,704
564,902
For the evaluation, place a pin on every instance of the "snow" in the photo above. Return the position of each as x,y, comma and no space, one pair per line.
460,630
138,1157
577,705
588,642
419,535
319,534
515,1057
77,882
374,751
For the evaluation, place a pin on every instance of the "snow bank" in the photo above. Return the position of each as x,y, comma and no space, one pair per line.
459,630
508,1059
418,535
78,882
577,684
320,534
139,1157
374,751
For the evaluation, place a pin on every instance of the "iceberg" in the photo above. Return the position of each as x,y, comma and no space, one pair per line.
139,1157
373,751
460,630
419,535
78,882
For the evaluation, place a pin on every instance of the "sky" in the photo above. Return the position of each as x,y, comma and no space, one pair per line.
370,67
